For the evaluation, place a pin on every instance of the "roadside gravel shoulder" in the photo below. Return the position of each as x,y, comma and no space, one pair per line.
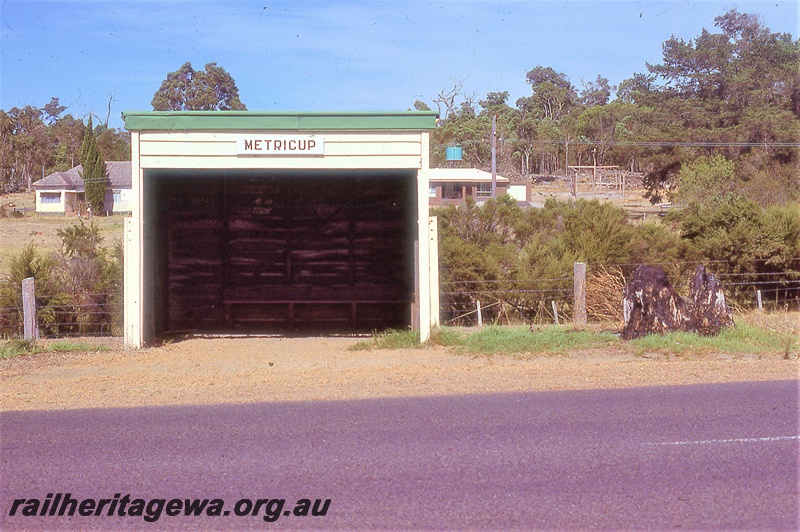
249,370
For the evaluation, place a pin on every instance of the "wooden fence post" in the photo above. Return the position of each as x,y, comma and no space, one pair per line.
579,272
480,316
29,329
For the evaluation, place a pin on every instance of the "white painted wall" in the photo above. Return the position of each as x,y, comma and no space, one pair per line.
50,207
206,150
125,203
518,192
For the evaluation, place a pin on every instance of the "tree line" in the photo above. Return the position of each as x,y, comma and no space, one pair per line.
728,96
714,128
731,95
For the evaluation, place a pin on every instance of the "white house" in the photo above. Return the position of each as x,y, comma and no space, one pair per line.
63,192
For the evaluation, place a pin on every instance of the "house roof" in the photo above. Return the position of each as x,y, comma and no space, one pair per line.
119,176
472,175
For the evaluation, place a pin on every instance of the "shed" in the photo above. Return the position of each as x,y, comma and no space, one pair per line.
262,222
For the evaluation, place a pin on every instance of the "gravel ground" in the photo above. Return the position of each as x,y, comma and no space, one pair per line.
248,370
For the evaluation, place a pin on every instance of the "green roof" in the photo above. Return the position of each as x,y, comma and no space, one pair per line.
259,120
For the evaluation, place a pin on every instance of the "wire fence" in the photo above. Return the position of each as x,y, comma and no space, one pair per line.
506,301
552,300
66,320
470,302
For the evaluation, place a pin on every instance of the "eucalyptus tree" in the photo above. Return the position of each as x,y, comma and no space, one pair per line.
596,92
6,150
552,106
186,89
30,146
553,93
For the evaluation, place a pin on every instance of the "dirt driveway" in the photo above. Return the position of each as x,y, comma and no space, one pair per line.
247,370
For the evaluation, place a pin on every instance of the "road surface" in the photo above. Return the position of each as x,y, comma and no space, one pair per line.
721,456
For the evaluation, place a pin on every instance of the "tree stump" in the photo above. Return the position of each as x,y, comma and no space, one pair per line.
710,313
652,306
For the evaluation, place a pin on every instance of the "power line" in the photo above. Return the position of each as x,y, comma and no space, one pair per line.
653,144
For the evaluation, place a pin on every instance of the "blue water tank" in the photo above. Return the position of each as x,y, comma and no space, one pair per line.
453,153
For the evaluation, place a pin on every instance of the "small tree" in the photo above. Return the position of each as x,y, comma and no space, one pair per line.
94,171
705,180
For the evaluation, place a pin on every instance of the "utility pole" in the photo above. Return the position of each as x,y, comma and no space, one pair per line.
494,155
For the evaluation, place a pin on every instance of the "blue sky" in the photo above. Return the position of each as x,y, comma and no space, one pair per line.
359,55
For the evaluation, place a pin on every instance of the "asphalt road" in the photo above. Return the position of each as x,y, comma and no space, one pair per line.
719,456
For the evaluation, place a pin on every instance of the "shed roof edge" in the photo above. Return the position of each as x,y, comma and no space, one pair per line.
263,120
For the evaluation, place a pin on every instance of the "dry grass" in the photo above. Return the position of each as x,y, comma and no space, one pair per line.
21,200
16,233
604,290
777,322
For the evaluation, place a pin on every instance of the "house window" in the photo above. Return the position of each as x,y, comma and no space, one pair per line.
117,197
50,197
431,190
451,191
483,190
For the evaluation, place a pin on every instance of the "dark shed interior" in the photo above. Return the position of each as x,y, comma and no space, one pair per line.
281,251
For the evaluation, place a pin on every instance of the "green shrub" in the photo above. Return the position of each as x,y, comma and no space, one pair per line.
79,289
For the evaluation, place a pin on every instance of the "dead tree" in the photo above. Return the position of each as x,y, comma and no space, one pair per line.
710,312
652,306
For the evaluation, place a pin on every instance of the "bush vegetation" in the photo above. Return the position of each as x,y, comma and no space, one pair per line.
521,259
78,287
721,147
718,115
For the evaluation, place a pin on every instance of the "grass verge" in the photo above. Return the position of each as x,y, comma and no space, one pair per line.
13,348
742,339
745,338
396,339
554,339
